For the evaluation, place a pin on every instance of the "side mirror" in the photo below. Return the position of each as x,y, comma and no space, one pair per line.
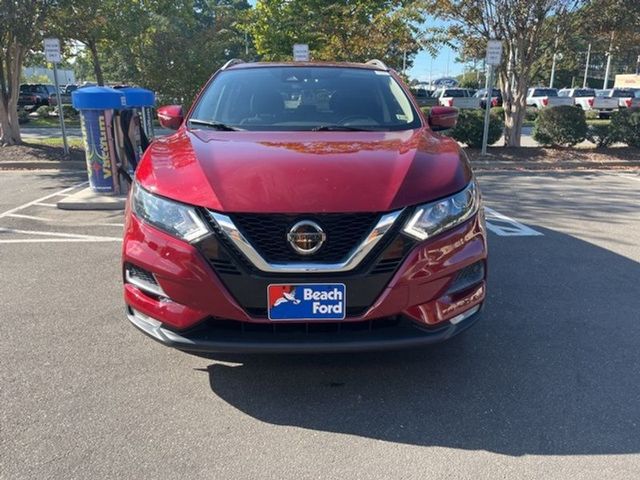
171,116
442,118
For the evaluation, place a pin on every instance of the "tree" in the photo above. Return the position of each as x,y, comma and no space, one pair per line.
520,24
343,30
20,30
92,23
176,47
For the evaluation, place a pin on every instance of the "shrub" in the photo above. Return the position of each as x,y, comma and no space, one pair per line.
69,112
23,116
43,111
562,125
601,135
531,114
470,126
425,110
625,126
498,111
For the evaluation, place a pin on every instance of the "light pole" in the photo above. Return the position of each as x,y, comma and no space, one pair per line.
608,69
586,67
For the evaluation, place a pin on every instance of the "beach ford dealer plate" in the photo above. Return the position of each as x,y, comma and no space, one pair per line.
306,301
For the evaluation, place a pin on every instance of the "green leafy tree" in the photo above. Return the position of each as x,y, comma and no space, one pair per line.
343,30
21,26
522,25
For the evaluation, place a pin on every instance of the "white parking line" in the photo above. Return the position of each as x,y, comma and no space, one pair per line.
60,236
60,240
506,226
42,204
38,200
28,217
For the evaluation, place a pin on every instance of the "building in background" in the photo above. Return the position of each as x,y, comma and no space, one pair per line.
64,76
627,81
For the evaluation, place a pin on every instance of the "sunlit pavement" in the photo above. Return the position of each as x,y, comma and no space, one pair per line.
547,385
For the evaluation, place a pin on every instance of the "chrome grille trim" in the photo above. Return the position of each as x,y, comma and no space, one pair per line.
355,257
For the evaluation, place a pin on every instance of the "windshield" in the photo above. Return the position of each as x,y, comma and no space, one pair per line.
545,92
306,98
622,93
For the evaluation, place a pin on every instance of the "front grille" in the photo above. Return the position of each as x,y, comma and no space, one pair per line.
267,233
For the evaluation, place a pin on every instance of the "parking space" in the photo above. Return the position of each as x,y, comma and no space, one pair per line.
547,382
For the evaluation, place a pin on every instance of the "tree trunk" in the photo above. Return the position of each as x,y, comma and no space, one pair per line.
514,78
97,68
10,69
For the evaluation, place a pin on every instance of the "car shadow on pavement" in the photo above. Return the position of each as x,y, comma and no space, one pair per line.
552,368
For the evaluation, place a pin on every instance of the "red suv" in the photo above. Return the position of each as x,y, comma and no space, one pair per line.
304,207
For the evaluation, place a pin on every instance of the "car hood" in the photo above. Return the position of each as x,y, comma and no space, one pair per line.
303,172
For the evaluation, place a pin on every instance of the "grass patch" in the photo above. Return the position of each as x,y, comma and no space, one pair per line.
57,142
50,122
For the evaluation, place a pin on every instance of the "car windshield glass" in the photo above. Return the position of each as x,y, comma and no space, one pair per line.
545,92
305,98
622,93
455,93
583,92
28,89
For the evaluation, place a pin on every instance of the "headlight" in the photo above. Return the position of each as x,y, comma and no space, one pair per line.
175,218
433,218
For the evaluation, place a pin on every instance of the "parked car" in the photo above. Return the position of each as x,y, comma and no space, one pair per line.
587,99
496,97
456,97
546,97
34,95
423,97
66,91
264,225
626,97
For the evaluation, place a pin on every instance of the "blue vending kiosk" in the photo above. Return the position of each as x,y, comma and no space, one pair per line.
96,106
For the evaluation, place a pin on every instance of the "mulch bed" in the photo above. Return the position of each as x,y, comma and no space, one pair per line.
35,152
558,158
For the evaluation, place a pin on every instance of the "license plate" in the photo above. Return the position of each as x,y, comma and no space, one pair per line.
307,301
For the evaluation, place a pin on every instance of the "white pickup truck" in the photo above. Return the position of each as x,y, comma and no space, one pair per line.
546,97
625,96
588,100
456,97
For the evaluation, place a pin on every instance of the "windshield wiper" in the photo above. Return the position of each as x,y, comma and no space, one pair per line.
337,128
216,125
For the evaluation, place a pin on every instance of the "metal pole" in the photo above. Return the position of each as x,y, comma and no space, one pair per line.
606,72
404,62
638,65
553,71
60,110
586,67
487,108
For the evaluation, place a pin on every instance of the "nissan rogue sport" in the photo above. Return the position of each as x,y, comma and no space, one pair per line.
304,207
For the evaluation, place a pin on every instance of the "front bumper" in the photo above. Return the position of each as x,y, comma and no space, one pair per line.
221,337
204,308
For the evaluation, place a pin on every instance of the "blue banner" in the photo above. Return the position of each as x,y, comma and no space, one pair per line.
99,163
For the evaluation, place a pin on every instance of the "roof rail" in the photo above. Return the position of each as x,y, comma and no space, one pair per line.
377,63
231,63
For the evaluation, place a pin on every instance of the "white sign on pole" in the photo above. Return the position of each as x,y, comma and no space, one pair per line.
301,52
52,50
494,52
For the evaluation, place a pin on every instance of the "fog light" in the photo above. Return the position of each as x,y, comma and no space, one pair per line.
144,280
467,277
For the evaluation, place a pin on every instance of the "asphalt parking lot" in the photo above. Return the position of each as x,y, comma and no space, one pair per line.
547,385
